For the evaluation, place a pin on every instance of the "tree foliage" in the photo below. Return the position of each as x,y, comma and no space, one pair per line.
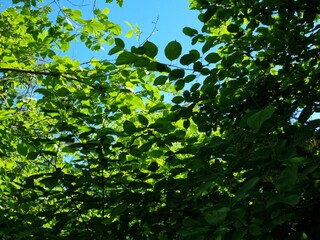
92,149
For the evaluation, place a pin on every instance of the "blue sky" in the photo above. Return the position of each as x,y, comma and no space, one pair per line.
172,15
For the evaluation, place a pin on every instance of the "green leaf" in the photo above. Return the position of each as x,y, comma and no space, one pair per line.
187,59
22,149
233,28
305,114
246,187
161,80
256,120
173,50
153,166
118,210
142,62
178,99
216,216
282,219
6,114
114,50
254,229
190,78
157,107
135,152
32,155
63,92
213,58
129,127
186,123
138,50
288,179
190,31
126,58
156,154
162,67
176,73
129,34
195,87
291,200
119,42
143,120
232,59
179,85
151,49
194,231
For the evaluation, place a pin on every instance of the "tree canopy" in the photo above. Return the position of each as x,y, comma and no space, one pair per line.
92,150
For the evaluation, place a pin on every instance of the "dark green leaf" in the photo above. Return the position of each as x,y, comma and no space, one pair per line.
186,123
135,152
190,78
247,186
160,80
129,127
153,166
189,31
212,57
257,119
233,28
187,59
142,62
32,155
118,210
176,73
157,107
305,114
143,120
23,150
119,42
232,59
288,179
126,58
179,84
178,99
151,49
254,229
216,216
173,50
139,50
195,87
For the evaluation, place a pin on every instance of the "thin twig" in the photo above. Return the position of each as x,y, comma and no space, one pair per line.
153,30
